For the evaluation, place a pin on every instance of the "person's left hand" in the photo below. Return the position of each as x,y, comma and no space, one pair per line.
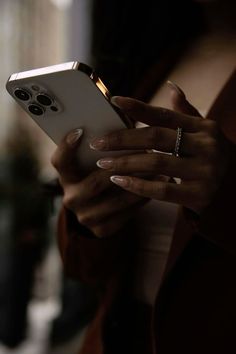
202,160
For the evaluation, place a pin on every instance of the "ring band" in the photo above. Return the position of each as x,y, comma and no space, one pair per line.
178,141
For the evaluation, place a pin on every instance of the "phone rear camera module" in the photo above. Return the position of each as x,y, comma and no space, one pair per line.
54,108
43,99
36,109
35,88
22,94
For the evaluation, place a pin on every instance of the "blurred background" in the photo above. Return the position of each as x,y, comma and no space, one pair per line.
34,315
42,311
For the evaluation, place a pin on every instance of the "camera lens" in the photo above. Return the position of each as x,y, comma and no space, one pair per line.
44,99
54,108
35,109
22,94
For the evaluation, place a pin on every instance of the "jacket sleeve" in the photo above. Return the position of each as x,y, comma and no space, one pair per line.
86,257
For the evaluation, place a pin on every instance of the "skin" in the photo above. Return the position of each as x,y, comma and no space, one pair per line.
104,207
203,161
97,203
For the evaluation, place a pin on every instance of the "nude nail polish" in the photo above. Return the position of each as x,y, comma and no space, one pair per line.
105,163
98,144
120,181
74,136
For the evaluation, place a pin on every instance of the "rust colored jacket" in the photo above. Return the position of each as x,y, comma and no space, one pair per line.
195,310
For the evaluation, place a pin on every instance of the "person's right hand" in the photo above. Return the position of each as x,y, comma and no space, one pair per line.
99,205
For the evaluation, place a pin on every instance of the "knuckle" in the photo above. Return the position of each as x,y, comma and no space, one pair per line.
100,231
205,143
85,219
71,196
68,201
167,116
164,113
114,140
211,143
210,126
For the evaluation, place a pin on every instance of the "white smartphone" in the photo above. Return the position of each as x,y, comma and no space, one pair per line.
66,96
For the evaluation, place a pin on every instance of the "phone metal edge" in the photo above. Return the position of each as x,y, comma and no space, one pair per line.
74,65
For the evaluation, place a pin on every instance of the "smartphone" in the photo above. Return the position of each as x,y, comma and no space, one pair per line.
66,96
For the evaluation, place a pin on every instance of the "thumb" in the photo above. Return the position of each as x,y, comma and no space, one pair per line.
179,101
65,157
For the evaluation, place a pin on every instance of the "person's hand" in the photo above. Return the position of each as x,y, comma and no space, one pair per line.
99,205
202,160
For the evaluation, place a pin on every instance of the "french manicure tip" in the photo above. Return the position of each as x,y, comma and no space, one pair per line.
98,163
114,101
92,147
74,136
115,179
79,131
120,181
97,144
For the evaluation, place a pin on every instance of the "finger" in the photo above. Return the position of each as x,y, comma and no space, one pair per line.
158,138
183,194
109,206
86,190
65,157
158,116
179,101
180,104
157,163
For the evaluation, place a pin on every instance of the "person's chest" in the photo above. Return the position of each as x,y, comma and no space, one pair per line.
202,72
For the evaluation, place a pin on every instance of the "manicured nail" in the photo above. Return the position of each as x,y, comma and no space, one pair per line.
120,181
125,103
105,163
115,100
74,136
176,88
98,144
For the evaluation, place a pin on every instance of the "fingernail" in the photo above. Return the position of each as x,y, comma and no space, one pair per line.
125,103
97,144
105,163
176,88
120,181
115,100
74,136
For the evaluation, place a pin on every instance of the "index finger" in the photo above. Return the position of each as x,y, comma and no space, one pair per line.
158,116
65,157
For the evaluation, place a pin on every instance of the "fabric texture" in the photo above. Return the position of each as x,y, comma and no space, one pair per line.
195,309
